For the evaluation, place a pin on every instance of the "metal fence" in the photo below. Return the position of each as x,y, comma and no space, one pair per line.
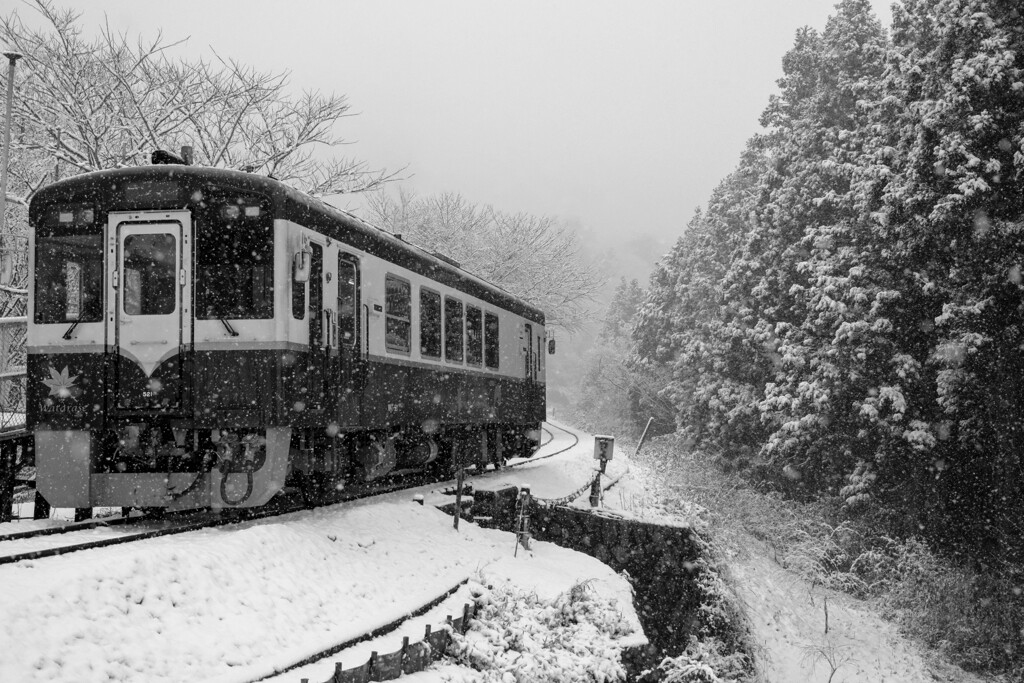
12,372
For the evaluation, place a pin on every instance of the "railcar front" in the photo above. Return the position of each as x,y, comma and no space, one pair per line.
155,361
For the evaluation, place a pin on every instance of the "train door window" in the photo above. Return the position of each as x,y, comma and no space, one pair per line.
397,312
348,305
474,335
491,349
316,295
150,266
453,330
430,323
528,349
298,299
537,356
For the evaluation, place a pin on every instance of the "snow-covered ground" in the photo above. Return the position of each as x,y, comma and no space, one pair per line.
805,632
239,603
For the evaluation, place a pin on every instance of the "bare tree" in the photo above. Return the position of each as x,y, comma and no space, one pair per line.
105,102
536,258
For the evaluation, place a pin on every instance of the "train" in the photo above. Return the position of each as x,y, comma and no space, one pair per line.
210,338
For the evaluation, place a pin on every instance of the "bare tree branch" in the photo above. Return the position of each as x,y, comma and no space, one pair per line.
536,258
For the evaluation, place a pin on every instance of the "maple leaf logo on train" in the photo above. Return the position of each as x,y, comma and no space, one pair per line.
61,384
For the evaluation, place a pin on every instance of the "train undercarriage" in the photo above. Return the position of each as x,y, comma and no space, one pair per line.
169,466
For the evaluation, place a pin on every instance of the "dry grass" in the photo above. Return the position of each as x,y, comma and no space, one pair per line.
972,614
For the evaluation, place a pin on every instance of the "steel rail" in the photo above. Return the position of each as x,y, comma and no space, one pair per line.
72,526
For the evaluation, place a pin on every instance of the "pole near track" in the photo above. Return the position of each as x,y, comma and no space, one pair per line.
7,453
460,478
6,261
7,467
643,437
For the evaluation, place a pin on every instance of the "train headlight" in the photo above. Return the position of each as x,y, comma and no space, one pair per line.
76,215
232,212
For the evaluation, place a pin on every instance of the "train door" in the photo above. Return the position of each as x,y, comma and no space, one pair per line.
352,372
319,346
152,317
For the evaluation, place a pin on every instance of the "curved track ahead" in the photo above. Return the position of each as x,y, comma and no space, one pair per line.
535,458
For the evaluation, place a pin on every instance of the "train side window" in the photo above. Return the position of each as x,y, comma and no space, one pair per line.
491,349
430,323
348,306
453,330
397,313
474,335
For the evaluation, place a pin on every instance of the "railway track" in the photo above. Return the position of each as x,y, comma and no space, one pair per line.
149,528
73,526
40,543
535,458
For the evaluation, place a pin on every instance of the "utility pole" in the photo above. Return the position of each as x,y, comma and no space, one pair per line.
6,262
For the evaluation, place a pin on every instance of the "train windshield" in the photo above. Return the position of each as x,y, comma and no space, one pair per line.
234,269
69,275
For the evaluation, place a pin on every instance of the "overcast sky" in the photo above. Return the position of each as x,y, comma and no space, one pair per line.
621,116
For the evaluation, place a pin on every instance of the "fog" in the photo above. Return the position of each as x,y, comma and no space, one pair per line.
618,118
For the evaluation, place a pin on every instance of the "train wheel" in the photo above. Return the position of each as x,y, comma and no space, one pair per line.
311,487
443,467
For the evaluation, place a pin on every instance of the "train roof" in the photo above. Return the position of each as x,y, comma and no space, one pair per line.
291,204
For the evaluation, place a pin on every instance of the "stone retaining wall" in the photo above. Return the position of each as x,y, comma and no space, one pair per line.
660,561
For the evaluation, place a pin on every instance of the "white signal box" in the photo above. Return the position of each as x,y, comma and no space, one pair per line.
604,446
